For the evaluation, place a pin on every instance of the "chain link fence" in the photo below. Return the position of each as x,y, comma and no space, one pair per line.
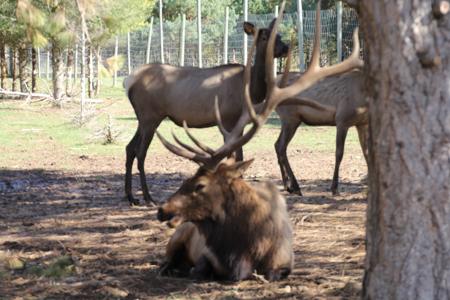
213,41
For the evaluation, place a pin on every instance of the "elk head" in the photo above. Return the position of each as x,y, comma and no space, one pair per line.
280,48
203,195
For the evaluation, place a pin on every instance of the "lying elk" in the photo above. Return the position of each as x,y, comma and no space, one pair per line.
346,106
229,227
158,91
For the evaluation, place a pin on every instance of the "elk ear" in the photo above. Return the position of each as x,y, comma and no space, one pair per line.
249,28
238,169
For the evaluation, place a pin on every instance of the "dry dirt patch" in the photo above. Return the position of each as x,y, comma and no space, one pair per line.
70,234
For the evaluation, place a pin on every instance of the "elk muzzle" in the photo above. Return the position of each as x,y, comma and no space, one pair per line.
172,219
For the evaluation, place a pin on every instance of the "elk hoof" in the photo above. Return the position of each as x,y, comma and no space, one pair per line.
151,203
165,269
295,190
133,201
335,192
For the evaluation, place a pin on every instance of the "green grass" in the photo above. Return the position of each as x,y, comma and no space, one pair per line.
26,127
60,267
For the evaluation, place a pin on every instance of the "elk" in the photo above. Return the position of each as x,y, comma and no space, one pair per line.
186,94
228,227
346,106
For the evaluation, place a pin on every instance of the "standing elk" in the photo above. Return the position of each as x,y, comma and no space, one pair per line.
186,94
230,228
346,106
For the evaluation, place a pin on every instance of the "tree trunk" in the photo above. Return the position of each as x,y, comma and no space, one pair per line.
58,73
408,214
3,68
69,71
90,75
33,69
13,68
24,76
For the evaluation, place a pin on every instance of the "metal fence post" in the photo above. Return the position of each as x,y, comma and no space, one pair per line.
199,32
301,55
339,30
75,69
116,53
182,39
149,41
128,52
161,33
225,36
48,65
244,58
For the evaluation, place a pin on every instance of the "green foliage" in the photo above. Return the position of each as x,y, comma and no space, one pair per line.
12,31
60,267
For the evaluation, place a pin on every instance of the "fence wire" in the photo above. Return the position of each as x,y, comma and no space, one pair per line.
213,40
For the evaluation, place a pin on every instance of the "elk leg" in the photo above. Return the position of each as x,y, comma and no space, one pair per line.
363,131
145,140
239,154
131,154
287,133
341,134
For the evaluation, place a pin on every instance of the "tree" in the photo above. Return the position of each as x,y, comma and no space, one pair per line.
109,19
408,220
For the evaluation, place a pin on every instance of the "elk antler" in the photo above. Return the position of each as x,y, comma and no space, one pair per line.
274,96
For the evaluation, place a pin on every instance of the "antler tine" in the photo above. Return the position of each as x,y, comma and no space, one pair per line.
222,129
247,75
315,59
287,67
314,72
270,79
199,159
188,147
197,142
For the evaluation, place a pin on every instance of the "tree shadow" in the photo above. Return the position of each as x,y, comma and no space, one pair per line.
87,217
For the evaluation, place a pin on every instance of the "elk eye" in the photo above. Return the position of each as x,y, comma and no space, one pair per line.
199,187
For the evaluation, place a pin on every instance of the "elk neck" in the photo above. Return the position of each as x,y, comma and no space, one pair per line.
258,78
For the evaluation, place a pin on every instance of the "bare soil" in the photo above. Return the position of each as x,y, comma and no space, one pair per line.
115,250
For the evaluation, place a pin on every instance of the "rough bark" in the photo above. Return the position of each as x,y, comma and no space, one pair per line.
13,68
24,75
408,216
69,71
58,72
3,68
33,69
90,72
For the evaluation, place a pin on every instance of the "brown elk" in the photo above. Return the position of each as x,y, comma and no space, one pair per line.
186,94
346,106
229,227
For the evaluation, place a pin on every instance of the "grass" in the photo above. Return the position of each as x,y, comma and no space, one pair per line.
24,127
61,267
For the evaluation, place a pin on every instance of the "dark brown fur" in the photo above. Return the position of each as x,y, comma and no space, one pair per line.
243,227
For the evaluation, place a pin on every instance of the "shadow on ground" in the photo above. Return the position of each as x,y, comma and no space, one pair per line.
117,249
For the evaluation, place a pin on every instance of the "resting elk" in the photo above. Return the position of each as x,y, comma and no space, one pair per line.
158,91
346,106
230,228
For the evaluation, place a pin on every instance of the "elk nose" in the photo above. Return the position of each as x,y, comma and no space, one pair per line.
162,216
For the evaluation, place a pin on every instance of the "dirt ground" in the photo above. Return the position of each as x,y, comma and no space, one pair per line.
71,234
